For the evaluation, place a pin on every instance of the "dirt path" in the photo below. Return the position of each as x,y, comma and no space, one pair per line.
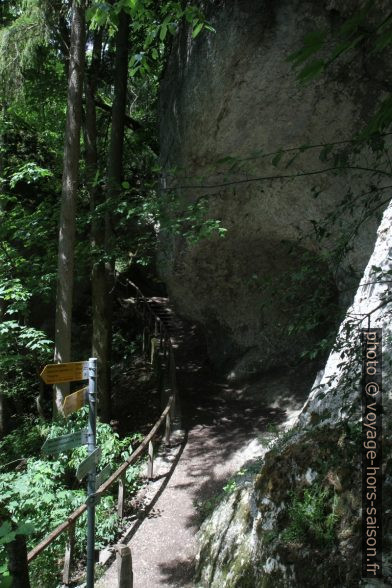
224,426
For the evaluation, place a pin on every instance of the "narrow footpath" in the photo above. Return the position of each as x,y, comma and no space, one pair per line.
224,428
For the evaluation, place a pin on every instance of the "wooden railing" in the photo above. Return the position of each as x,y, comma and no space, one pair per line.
158,348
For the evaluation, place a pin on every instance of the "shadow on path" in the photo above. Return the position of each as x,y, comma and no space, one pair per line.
224,425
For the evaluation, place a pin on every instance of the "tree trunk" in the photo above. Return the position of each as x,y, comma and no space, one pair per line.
65,276
100,334
2,147
17,562
103,332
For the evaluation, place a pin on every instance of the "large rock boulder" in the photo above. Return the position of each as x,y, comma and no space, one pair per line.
228,99
299,523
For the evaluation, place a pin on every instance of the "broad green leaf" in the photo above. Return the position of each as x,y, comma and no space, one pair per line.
163,31
197,30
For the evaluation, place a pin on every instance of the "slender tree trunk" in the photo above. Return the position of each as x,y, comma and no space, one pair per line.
2,148
116,146
100,336
65,276
17,562
103,338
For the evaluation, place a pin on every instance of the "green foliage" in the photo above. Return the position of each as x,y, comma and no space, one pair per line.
20,42
282,438
191,221
24,441
312,516
207,507
365,28
30,173
46,491
8,532
152,23
230,487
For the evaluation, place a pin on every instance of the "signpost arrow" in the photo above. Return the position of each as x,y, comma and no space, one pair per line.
102,476
74,401
57,373
65,442
87,465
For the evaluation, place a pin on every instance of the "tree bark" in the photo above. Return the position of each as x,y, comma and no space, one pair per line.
65,276
2,148
100,334
103,331
17,562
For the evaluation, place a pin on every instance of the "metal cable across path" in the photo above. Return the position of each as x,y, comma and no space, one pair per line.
158,347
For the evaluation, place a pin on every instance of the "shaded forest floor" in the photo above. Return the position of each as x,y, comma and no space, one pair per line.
225,427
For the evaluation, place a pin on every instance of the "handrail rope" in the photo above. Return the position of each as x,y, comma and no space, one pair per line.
103,488
124,466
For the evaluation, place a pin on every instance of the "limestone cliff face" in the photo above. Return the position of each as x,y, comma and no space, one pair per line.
233,93
255,538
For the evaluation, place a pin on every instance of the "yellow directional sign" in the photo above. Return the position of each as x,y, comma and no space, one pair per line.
74,401
57,373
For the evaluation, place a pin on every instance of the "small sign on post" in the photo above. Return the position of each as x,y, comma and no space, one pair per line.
65,442
58,373
103,476
86,466
74,401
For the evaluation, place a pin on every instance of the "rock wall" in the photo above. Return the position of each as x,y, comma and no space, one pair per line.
227,99
256,537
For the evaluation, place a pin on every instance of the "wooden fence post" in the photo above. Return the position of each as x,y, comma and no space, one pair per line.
176,408
163,380
124,566
150,467
167,429
121,494
69,554
17,562
145,342
154,350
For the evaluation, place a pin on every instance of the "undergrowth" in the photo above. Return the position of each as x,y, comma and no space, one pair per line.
248,471
312,516
46,491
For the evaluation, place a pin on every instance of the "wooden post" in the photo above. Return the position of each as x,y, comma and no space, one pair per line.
172,368
160,371
121,494
40,399
160,335
69,554
17,565
150,467
167,429
154,352
144,347
124,566
176,408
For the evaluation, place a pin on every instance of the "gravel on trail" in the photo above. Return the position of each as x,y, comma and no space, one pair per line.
224,427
